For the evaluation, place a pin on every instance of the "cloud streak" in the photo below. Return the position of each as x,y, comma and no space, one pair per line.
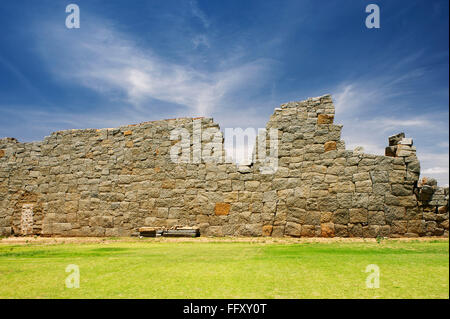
110,63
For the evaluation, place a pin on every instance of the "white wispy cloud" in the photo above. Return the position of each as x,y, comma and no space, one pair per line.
436,170
198,13
350,97
386,124
111,63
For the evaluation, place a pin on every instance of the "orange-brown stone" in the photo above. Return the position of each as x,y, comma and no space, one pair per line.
308,231
222,209
2,153
126,133
169,184
441,210
327,229
267,230
330,146
325,119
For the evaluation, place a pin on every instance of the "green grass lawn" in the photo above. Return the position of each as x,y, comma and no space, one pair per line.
150,269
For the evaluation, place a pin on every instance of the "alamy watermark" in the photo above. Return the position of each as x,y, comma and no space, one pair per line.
207,146
73,279
373,19
73,19
373,279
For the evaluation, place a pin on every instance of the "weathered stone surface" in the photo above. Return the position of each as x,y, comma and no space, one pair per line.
416,227
293,229
340,230
406,141
406,151
358,215
443,210
308,231
341,216
379,177
355,230
395,139
402,190
414,166
393,213
330,146
221,209
327,230
325,119
399,227
267,230
376,218
326,217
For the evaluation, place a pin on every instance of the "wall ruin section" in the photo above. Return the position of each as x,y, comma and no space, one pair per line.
110,182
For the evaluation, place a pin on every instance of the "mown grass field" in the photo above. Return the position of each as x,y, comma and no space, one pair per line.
148,268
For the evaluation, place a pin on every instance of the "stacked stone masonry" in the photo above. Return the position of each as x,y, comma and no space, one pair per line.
110,182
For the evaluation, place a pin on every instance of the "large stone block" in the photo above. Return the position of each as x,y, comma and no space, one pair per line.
414,166
416,227
327,230
379,176
345,200
402,189
341,216
376,218
406,141
326,217
308,231
407,201
278,231
222,209
399,227
358,215
325,119
267,230
395,139
330,146
393,213
355,230
214,231
293,229
340,230
61,228
404,151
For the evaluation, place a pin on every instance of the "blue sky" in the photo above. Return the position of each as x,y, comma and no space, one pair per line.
135,61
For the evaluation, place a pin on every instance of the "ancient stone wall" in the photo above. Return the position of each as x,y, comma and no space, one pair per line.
110,182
